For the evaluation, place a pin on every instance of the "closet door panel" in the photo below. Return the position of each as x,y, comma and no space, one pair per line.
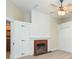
65,37
22,37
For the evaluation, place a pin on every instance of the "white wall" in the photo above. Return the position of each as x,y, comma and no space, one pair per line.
27,17
54,33
13,11
65,36
40,24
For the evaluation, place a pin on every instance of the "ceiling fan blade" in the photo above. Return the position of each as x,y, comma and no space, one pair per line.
68,8
69,4
53,8
52,12
53,5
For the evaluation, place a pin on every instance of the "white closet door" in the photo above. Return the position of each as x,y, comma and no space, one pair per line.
65,37
22,37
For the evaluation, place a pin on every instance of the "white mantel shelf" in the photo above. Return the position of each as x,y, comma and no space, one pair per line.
40,38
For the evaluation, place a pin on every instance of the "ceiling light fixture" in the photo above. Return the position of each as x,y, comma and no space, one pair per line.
61,10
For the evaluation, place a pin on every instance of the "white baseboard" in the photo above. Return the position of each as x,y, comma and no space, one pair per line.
59,49
54,49
66,50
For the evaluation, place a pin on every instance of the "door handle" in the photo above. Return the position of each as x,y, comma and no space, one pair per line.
22,40
13,43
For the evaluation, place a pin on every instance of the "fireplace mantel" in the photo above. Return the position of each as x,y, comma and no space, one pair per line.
40,38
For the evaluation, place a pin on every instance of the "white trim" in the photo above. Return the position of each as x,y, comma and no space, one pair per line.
12,20
66,51
60,49
54,49
40,38
9,19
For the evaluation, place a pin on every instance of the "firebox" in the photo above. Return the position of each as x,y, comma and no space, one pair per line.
40,47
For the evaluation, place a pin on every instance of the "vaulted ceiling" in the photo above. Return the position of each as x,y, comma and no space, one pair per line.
41,5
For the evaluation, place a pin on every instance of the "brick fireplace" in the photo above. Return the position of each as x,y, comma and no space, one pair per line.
40,47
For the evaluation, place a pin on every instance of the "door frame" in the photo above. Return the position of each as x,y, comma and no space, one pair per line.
11,41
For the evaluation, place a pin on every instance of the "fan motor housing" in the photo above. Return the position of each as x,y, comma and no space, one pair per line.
61,1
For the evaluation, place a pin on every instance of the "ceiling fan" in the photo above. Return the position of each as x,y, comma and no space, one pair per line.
62,10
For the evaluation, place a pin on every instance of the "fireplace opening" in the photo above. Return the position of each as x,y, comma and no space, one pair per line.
40,47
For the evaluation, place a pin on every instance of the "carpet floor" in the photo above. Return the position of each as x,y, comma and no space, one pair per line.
58,54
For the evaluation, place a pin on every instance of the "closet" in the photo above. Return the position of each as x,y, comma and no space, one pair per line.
22,42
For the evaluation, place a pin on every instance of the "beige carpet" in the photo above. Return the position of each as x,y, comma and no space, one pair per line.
58,54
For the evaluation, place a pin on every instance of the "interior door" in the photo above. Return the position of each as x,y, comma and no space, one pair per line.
65,37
